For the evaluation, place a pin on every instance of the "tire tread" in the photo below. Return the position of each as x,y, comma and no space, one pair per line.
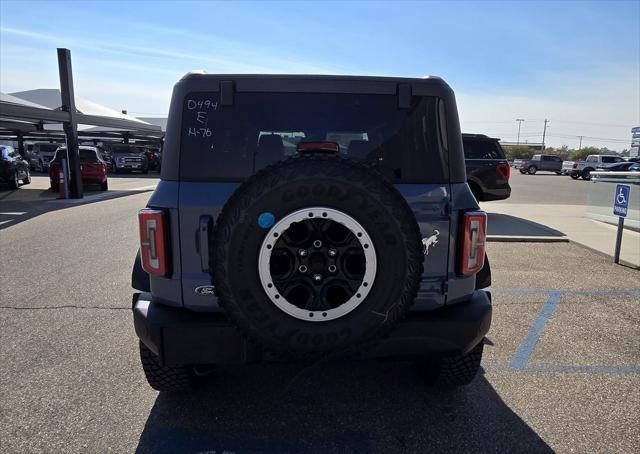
162,377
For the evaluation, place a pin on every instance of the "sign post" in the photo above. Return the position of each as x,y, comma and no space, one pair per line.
620,209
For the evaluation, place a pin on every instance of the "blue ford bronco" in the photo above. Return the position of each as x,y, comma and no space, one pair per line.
300,217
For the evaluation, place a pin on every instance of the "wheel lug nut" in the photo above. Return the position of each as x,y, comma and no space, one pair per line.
332,268
332,252
303,268
317,244
317,277
302,252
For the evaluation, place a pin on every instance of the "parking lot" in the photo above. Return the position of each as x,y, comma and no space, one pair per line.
561,369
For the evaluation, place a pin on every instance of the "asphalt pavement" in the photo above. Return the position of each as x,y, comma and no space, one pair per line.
546,187
561,370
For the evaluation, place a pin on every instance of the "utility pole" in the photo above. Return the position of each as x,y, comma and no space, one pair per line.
544,133
519,120
580,147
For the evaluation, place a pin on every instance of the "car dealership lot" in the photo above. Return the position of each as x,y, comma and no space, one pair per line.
561,369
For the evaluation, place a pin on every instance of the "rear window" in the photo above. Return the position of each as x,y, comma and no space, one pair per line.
85,155
482,149
230,143
610,159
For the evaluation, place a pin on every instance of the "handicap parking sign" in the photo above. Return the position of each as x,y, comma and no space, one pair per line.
621,200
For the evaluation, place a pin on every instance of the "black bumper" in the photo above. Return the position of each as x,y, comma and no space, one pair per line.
496,194
179,336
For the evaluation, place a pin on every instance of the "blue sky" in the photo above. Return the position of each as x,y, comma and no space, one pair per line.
576,63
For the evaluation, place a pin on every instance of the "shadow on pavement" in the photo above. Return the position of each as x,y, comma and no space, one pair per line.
506,225
19,205
334,407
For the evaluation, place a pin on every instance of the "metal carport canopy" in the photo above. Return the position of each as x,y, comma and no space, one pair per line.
40,115
16,113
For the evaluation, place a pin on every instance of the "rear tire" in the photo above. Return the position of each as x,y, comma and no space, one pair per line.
586,174
451,371
558,173
167,378
27,179
522,171
532,170
104,186
574,176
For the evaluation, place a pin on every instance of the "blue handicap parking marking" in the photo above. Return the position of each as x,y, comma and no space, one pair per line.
621,200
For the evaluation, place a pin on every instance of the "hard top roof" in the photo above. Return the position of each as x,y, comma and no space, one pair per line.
203,74
201,81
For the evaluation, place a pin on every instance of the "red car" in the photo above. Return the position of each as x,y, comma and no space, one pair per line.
92,168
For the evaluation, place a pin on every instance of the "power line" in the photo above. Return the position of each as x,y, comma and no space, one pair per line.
603,139
554,120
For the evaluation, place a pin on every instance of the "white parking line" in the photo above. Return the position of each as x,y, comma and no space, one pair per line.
142,188
12,213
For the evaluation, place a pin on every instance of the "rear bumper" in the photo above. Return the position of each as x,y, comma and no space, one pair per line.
495,194
180,336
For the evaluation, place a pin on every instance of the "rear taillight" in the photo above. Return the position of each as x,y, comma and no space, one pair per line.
575,166
504,170
153,242
474,235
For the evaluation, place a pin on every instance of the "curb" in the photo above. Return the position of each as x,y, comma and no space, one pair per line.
526,239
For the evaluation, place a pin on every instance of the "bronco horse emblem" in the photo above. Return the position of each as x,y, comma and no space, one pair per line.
431,241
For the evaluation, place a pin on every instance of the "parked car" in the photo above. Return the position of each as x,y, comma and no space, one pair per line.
624,166
35,165
43,152
92,168
567,166
633,159
518,163
126,158
584,168
13,169
487,167
154,159
313,254
542,162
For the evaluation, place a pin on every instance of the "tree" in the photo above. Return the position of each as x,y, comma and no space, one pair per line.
563,152
581,155
518,152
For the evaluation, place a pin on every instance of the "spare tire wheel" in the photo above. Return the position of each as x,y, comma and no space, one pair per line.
315,254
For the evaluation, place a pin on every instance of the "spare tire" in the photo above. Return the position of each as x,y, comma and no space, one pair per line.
316,254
